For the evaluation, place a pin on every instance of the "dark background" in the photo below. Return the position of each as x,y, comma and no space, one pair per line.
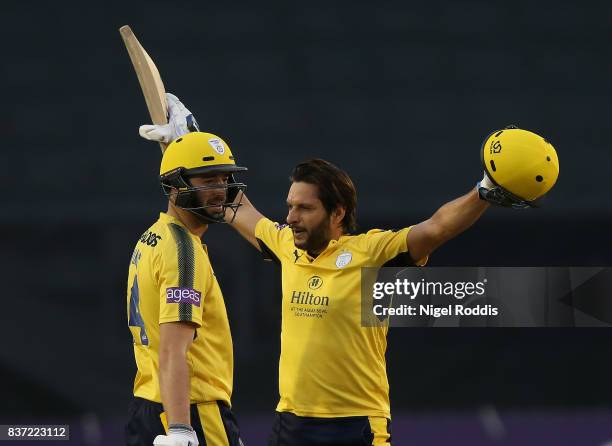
399,94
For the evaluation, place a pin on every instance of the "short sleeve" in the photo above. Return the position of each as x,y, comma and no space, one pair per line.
273,238
182,284
387,246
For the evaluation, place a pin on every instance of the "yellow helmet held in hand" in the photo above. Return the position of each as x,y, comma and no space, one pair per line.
199,154
523,164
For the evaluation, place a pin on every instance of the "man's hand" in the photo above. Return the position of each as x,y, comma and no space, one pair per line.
178,435
499,196
180,122
486,183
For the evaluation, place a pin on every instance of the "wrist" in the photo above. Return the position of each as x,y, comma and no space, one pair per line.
180,427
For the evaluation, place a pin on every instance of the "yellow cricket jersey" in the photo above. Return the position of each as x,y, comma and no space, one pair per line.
171,279
330,366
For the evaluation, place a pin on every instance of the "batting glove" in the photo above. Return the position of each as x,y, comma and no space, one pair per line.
486,183
178,435
180,122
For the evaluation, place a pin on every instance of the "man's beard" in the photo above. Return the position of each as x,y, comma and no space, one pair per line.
317,238
213,208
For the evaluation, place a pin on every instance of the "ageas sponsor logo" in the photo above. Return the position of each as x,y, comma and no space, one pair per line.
183,295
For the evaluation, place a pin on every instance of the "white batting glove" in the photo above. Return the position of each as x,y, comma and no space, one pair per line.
178,435
486,183
180,122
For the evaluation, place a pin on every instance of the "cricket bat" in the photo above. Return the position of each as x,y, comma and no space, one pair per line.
148,76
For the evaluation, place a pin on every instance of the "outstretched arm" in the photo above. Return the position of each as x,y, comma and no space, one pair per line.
449,221
535,171
245,220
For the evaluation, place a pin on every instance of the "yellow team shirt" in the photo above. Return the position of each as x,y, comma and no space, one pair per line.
171,279
330,366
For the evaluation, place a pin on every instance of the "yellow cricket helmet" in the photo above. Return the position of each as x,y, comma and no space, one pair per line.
523,164
196,154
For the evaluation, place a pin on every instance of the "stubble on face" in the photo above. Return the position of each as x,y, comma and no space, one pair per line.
214,197
313,240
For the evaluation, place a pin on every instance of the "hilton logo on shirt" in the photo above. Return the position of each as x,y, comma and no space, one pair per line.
307,304
306,298
315,282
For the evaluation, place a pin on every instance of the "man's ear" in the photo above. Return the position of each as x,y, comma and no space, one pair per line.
338,215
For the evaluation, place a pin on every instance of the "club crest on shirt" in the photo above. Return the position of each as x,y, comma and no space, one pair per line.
217,145
343,259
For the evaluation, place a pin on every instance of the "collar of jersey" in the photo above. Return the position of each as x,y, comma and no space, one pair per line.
170,219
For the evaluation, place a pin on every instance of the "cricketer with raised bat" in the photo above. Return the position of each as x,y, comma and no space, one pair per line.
176,312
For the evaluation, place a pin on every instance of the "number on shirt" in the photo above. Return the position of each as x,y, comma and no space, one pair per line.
135,316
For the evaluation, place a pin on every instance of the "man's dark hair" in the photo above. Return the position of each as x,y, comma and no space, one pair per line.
335,188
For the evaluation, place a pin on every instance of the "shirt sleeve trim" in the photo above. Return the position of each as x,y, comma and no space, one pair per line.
163,320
